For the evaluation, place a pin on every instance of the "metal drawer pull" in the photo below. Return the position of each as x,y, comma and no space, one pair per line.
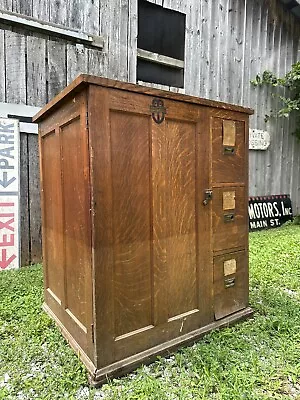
208,194
229,282
229,150
229,217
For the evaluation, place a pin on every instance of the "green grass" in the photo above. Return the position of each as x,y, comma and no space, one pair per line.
256,359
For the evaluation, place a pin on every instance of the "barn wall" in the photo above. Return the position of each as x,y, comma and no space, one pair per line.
227,43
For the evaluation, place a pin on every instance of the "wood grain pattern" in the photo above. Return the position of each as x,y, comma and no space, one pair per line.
52,215
2,66
34,200
66,219
140,266
131,221
56,75
36,71
84,80
15,67
41,9
180,217
6,5
22,7
229,233
231,42
102,236
77,61
24,201
75,219
227,167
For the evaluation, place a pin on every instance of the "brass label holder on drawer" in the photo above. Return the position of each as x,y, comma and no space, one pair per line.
228,150
229,217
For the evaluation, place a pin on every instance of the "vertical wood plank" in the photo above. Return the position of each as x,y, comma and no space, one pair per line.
132,39
114,25
97,59
41,9
24,201
2,66
205,51
36,71
97,62
58,12
189,67
75,15
22,7
57,71
213,83
15,46
6,5
77,61
224,57
91,17
34,199
104,28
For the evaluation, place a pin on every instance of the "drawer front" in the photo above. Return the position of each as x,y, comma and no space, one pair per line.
229,218
230,283
228,151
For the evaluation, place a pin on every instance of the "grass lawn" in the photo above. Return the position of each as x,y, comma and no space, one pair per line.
256,359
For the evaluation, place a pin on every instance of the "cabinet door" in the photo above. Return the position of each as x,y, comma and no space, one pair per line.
153,264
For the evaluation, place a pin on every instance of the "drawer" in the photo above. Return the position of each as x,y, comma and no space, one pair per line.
230,283
228,151
229,218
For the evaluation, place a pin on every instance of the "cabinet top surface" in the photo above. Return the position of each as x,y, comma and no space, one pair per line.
84,80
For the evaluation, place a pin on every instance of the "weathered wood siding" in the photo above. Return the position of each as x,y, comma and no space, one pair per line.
31,235
227,43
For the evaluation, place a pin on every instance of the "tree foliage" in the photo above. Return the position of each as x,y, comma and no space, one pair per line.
290,97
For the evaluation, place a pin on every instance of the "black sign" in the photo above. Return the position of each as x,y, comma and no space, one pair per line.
269,211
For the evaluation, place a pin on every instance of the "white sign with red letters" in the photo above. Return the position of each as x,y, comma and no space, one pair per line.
9,193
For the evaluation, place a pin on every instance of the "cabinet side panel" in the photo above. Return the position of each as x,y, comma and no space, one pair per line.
52,221
131,221
76,218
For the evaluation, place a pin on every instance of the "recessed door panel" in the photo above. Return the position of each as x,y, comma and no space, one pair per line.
133,291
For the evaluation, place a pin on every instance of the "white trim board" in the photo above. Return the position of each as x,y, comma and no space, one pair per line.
50,29
20,110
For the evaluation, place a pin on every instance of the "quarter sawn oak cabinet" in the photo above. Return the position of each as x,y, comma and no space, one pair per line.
144,205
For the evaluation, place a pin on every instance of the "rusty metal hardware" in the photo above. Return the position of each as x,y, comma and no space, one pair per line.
158,110
229,282
229,150
208,194
229,217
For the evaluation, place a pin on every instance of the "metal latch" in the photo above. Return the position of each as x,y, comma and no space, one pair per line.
208,194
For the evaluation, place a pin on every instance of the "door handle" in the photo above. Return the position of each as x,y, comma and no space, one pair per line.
208,194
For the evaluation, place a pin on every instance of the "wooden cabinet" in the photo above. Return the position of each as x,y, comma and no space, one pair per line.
136,261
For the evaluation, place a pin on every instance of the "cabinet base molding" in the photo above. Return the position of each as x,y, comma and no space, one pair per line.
99,376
